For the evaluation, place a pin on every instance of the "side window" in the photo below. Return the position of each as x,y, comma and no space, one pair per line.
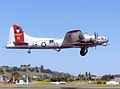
101,38
105,38
98,38
51,41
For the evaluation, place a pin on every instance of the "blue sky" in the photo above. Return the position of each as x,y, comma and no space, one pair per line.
53,18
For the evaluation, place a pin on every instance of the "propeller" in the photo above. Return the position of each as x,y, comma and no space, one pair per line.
96,35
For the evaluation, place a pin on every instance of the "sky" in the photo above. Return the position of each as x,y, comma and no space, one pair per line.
53,18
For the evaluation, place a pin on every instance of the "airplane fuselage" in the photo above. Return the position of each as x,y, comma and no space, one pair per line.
53,43
73,39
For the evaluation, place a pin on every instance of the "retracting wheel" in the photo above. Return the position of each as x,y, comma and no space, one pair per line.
83,51
29,51
58,49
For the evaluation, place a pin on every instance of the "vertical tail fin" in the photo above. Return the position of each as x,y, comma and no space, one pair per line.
16,35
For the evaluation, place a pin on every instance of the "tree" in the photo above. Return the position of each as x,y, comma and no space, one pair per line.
42,68
107,77
1,71
37,69
24,70
86,74
14,69
89,74
15,75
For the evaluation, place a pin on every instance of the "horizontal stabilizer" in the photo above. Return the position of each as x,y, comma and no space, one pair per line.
20,43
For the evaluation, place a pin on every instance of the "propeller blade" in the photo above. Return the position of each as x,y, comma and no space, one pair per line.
96,35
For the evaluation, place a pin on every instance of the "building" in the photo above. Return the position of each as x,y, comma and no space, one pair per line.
112,82
116,80
26,81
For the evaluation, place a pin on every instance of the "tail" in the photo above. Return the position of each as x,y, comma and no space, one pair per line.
16,35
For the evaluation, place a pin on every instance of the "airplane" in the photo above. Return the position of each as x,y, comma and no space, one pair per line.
18,39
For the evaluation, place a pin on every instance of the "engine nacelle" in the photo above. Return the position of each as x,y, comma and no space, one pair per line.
89,38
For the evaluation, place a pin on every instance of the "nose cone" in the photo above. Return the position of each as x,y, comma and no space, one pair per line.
107,39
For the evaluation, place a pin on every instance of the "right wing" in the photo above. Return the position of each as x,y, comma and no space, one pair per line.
72,37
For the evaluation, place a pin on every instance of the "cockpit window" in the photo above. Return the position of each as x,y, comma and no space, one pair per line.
102,38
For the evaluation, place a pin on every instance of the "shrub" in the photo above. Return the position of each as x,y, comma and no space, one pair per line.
99,82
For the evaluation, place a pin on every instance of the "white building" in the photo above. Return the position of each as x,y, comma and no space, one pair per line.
112,82
23,81
1,78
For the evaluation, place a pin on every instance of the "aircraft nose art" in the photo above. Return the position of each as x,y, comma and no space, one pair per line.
18,34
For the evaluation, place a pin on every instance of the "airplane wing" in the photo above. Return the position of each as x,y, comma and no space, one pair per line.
72,37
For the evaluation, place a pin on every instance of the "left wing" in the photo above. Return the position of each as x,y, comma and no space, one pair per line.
72,37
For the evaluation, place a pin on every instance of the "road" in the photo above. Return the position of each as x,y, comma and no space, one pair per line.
59,88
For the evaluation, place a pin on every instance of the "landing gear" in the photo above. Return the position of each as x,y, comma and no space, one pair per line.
29,51
58,49
83,51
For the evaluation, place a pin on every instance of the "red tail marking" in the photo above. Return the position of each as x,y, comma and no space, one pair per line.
18,34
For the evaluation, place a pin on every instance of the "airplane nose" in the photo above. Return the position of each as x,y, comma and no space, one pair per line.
107,40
